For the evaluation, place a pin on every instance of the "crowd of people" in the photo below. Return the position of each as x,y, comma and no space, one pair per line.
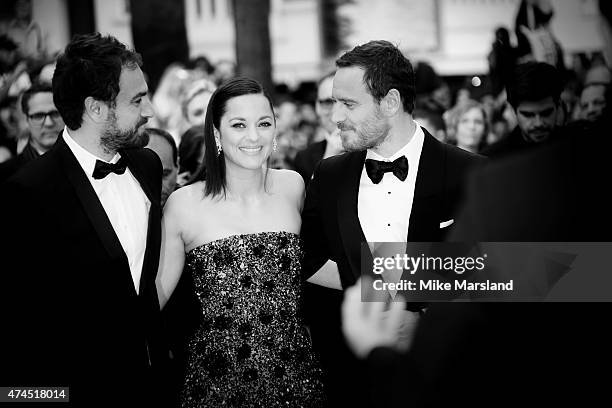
200,245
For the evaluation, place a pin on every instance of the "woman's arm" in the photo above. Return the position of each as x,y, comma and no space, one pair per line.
172,256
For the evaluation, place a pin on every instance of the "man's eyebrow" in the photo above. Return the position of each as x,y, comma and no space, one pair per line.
140,95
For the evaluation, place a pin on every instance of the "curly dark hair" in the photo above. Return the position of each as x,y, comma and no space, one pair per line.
385,68
90,65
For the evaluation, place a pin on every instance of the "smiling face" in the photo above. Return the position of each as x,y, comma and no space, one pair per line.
357,114
246,131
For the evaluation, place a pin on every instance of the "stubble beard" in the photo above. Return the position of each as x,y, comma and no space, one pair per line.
372,133
114,139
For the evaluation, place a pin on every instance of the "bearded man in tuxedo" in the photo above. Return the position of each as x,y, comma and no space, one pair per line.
83,239
396,183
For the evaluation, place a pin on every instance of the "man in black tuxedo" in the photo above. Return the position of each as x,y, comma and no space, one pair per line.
83,239
397,183
541,353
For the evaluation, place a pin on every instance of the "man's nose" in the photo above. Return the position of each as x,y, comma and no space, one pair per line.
337,114
147,108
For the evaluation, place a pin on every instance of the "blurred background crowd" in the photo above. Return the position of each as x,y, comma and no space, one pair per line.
464,53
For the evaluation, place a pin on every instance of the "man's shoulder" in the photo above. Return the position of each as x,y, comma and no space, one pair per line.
37,172
338,163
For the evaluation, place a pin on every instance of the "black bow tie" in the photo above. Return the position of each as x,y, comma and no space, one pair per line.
377,169
103,169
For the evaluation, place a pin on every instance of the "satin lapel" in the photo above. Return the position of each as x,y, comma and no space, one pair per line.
428,191
91,204
151,257
351,233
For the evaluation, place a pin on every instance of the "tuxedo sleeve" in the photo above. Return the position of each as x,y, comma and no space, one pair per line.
313,235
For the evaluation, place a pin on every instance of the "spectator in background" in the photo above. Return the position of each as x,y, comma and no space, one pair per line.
168,97
593,101
502,60
194,104
44,124
535,39
162,143
191,153
224,70
26,33
469,126
13,76
534,94
306,160
432,122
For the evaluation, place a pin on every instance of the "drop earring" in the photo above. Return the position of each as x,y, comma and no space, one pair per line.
219,149
274,145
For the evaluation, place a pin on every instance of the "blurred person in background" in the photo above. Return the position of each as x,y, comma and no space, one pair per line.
468,126
306,160
14,78
168,97
26,33
224,70
502,60
536,41
44,124
535,96
593,101
191,153
194,104
162,143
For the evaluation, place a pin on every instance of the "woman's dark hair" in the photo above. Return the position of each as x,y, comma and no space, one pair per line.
213,169
90,66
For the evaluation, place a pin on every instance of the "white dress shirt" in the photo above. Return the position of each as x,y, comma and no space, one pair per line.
384,208
125,204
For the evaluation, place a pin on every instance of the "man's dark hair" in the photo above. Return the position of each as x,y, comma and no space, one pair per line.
90,66
385,68
149,132
37,87
534,81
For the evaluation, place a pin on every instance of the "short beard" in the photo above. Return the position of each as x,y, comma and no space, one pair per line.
373,131
113,139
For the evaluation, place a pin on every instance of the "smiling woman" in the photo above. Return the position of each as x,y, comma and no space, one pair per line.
235,229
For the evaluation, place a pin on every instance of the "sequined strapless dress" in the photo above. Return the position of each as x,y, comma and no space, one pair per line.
250,349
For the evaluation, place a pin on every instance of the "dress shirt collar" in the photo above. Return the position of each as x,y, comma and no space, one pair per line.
410,150
85,158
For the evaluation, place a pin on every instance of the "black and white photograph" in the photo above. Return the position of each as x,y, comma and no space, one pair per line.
305,203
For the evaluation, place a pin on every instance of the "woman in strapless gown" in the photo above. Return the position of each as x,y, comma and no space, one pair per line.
235,230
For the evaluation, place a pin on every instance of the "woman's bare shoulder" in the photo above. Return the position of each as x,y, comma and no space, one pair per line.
287,181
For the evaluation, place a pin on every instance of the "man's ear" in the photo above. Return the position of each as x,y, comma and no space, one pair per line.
391,103
96,110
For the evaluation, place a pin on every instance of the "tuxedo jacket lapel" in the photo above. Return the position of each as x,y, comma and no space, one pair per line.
151,257
351,232
91,204
427,191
